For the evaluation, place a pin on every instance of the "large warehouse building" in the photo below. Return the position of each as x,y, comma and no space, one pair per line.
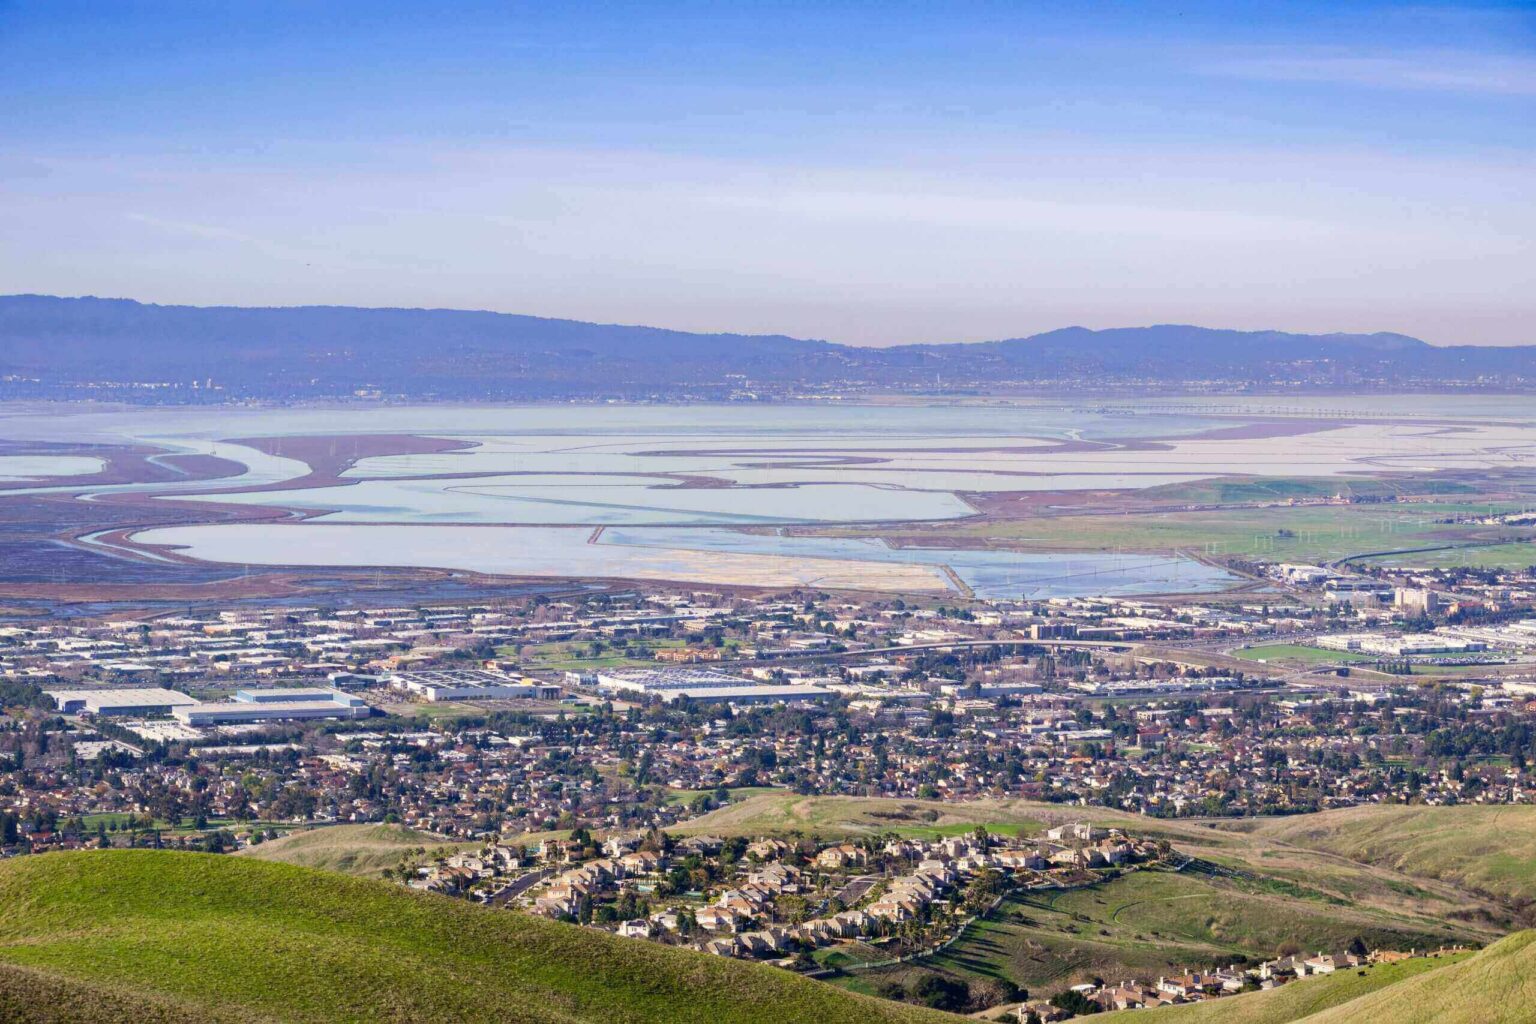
249,705
704,685
271,708
471,684
149,700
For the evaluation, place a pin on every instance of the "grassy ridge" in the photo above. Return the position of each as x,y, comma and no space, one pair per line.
242,938
29,996
1246,894
362,850
1403,903
1488,848
1145,924
1497,986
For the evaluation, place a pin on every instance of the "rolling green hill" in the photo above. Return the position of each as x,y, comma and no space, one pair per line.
1495,986
362,850
1245,894
161,936
1489,848
1148,923
30,996
1416,903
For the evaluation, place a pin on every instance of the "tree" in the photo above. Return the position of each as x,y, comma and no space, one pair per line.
940,993
1075,1002
996,991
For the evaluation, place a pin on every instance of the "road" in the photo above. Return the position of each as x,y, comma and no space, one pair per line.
519,886
856,889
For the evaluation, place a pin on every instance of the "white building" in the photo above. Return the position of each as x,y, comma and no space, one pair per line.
148,700
243,712
472,684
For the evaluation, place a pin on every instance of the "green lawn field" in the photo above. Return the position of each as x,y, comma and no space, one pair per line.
1300,653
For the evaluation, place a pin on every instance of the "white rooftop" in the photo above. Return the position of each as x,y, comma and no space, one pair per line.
142,696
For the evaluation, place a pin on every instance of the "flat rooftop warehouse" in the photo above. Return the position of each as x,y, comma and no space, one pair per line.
238,712
746,693
450,677
294,695
659,680
472,684
147,700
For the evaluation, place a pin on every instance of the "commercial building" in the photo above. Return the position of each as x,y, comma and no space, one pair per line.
990,689
247,712
1508,636
472,684
656,681
292,695
749,694
1416,599
148,700
1400,646
704,685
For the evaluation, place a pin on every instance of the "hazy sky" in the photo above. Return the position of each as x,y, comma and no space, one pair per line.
871,173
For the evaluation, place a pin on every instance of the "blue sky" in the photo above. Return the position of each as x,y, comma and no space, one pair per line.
873,173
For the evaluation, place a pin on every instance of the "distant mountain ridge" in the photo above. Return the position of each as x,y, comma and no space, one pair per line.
54,345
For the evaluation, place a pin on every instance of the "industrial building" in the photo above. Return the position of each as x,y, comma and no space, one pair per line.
246,712
704,685
657,680
472,684
292,695
990,689
747,694
1400,646
148,700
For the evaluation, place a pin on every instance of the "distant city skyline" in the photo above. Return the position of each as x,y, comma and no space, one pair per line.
867,174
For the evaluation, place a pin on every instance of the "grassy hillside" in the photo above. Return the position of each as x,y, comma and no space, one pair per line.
1488,848
238,939
1247,894
29,996
1495,986
1244,848
1149,923
1293,1002
362,850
